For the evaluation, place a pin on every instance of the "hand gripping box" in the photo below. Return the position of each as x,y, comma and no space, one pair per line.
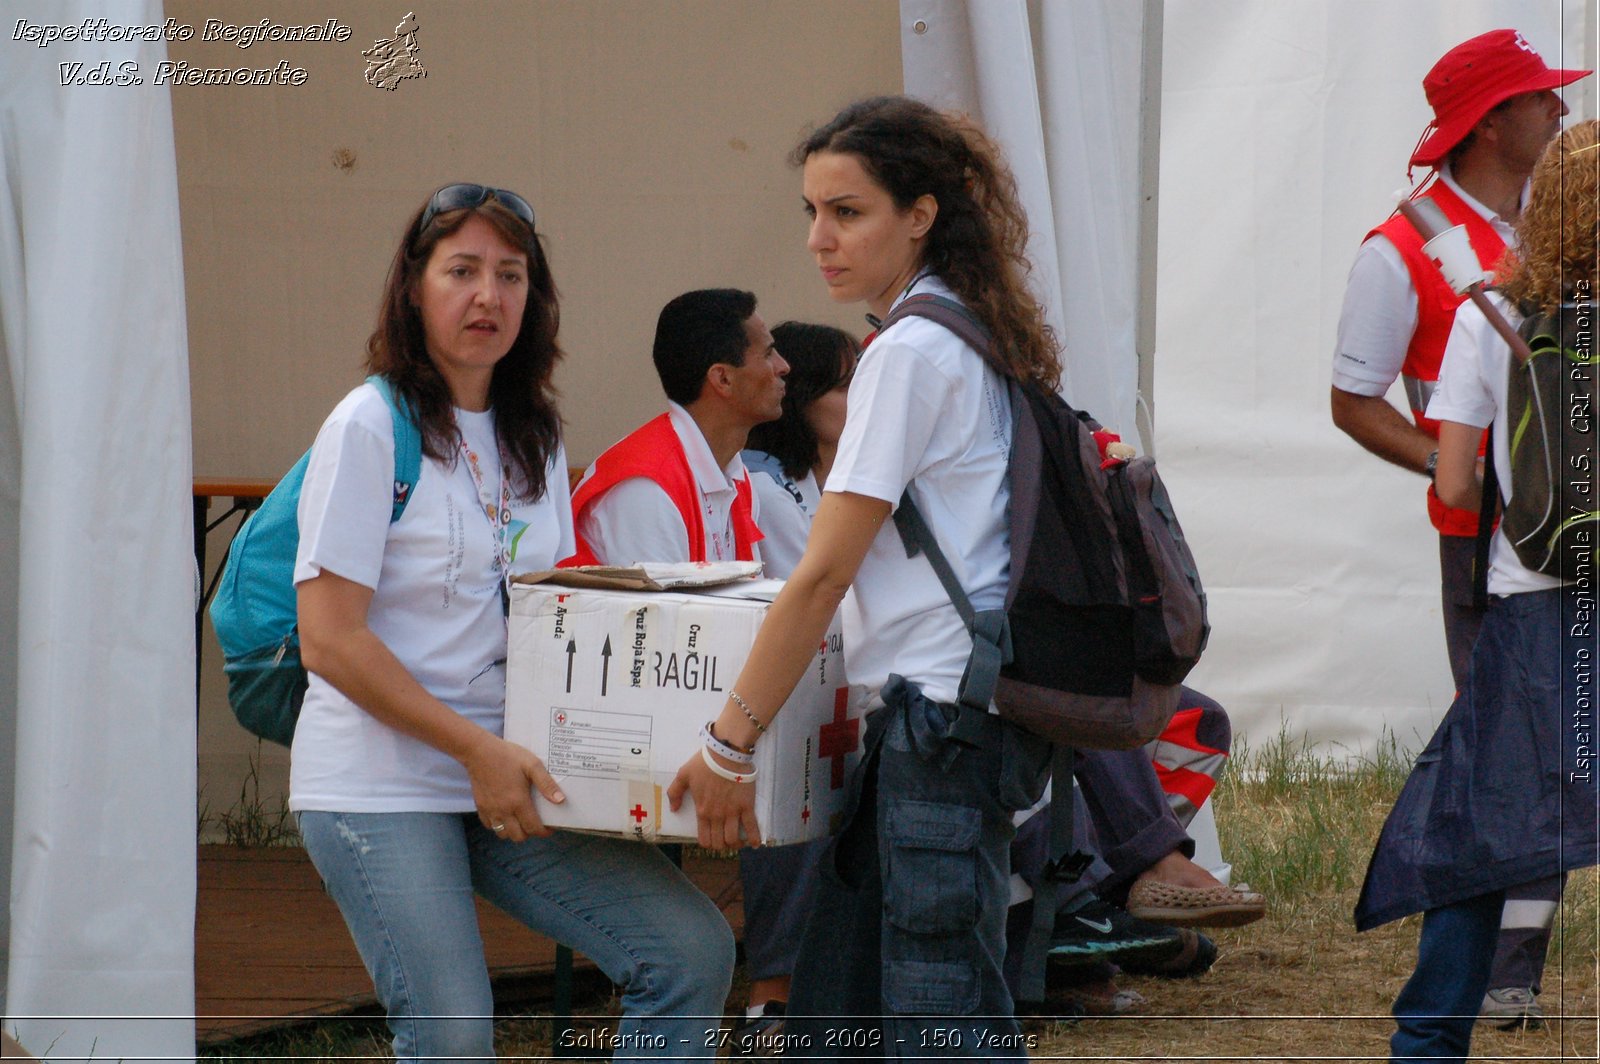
610,689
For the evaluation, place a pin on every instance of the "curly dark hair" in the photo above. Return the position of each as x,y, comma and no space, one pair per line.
978,242
820,359
520,393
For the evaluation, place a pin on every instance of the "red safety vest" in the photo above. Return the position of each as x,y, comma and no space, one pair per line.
1436,311
654,451
1187,768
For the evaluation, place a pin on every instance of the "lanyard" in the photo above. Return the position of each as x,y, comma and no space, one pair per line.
498,515
877,322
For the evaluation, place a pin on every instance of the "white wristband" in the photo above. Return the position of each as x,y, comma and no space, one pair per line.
727,750
730,776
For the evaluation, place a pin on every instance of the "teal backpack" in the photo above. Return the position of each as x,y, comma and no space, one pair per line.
254,612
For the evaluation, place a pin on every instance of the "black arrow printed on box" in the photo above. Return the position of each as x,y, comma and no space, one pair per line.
605,665
572,652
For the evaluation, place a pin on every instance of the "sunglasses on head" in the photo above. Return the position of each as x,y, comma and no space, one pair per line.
461,197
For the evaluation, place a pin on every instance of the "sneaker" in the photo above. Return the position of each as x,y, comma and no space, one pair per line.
1099,931
1196,957
760,1036
1510,1007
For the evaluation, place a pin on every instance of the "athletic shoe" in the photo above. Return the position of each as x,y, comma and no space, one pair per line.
1099,931
1199,953
1510,1007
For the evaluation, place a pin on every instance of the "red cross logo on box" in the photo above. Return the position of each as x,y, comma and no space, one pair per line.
639,814
838,738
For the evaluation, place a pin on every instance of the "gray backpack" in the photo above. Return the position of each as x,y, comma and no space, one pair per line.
1104,613
1553,519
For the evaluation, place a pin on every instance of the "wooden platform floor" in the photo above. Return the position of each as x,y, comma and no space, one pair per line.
271,948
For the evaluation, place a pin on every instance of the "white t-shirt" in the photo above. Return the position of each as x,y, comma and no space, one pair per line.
1472,391
436,602
636,520
1380,309
787,507
925,408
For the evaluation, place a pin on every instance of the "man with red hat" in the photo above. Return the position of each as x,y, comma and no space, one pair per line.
1495,109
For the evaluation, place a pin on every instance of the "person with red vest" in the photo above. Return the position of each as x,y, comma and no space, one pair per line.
1495,108
675,489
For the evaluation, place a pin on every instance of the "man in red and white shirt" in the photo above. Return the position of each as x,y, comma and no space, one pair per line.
1495,109
675,489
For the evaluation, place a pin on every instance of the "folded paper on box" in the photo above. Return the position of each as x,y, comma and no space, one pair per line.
610,688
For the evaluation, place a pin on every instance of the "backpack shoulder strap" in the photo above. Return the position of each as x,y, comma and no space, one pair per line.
407,444
991,634
949,313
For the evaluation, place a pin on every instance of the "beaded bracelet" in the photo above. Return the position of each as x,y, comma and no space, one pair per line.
742,704
732,753
727,774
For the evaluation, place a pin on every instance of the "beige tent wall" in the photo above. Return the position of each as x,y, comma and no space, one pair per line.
650,138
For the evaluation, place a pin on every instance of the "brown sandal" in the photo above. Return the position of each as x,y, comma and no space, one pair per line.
1216,906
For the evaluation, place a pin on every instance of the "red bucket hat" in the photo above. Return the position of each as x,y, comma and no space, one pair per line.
1472,78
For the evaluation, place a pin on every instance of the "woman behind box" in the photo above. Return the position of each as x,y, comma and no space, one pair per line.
408,798
796,451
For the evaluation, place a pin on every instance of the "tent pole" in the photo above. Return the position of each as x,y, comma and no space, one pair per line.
1144,335
1591,56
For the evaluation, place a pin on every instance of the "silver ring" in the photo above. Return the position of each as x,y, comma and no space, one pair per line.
497,828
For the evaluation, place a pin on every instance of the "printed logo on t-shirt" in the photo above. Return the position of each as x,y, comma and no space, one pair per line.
514,533
455,548
999,416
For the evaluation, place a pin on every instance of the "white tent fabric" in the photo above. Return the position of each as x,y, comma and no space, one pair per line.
1284,133
1057,85
97,724
1061,93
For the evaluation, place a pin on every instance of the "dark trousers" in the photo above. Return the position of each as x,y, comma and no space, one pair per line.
903,953
780,884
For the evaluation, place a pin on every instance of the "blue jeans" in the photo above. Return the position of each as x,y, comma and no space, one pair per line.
1435,1011
405,884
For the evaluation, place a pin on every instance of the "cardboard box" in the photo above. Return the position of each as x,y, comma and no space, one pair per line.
610,688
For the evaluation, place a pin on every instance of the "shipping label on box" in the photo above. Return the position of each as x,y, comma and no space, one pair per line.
610,689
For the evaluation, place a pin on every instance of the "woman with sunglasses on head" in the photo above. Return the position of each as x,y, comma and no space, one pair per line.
909,925
408,799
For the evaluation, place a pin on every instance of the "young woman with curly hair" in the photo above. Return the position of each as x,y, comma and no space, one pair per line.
909,925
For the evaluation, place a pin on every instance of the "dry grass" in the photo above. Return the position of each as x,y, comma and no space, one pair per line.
1301,984
1298,985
